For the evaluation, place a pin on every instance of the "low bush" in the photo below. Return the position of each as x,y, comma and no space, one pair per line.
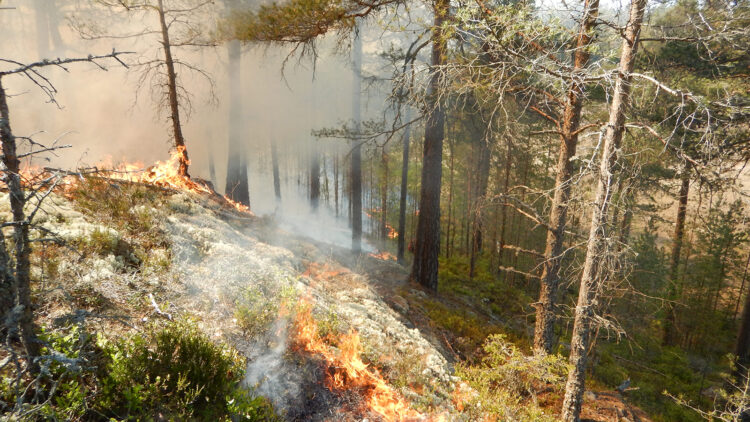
170,373
507,383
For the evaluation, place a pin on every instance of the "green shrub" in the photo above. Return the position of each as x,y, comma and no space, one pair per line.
169,373
255,312
176,371
507,382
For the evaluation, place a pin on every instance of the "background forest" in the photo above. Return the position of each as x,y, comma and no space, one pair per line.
565,181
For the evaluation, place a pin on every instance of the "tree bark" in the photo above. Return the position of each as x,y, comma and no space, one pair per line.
742,347
237,187
504,206
21,275
597,244
174,107
314,177
404,188
427,248
356,159
742,286
384,198
670,333
483,179
449,220
550,280
336,182
275,165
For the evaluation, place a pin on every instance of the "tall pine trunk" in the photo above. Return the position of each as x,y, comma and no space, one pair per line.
404,188
483,179
504,206
275,165
670,333
174,107
19,277
597,242
236,187
550,280
314,177
356,159
384,198
742,347
427,248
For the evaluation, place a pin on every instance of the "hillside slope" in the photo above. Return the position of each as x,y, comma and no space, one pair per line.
128,254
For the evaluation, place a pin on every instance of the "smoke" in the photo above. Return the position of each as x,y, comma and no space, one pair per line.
107,119
270,374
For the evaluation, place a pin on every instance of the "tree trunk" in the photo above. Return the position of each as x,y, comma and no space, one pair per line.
427,248
384,198
42,27
402,199
314,177
275,165
670,333
550,280
237,188
449,222
356,160
483,179
21,284
597,244
174,108
742,348
212,169
504,206
336,182
742,286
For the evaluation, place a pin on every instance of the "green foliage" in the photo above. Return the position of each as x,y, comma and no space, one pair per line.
296,21
508,382
257,309
482,303
255,312
169,373
708,316
652,371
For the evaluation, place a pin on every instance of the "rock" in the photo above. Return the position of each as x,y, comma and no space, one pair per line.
589,396
400,304
418,293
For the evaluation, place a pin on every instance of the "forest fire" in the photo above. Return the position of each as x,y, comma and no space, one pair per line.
345,371
392,233
165,174
384,255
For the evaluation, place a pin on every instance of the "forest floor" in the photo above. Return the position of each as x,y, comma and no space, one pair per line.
133,254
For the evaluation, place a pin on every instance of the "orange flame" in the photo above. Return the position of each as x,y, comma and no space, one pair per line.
392,233
323,272
165,174
346,371
384,255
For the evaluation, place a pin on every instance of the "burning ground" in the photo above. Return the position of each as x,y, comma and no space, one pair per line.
327,335
321,344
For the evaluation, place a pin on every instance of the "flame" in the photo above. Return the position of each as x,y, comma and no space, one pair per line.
346,371
165,174
323,272
384,255
392,233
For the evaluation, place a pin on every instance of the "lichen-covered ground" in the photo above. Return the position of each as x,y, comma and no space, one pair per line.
124,254
233,274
